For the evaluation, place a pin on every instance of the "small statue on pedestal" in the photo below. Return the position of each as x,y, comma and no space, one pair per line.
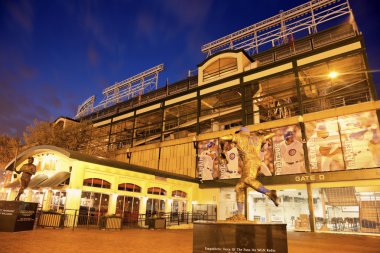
28,170
249,146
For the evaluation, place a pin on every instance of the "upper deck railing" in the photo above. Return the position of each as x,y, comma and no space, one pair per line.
281,28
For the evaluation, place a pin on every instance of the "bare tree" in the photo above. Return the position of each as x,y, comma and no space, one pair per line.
77,137
8,149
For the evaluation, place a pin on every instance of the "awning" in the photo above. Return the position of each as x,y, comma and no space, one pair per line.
34,182
56,179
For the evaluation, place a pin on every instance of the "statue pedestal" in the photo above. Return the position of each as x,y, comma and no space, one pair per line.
17,216
234,237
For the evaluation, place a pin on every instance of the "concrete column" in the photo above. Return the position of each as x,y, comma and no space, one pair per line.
112,203
29,195
143,201
47,200
73,198
168,205
77,176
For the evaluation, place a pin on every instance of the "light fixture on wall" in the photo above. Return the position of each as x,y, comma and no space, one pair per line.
128,154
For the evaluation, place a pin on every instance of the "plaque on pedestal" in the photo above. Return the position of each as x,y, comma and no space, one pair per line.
234,237
17,216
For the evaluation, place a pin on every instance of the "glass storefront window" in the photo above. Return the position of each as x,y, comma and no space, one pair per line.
37,197
347,209
155,207
128,208
94,204
58,201
293,210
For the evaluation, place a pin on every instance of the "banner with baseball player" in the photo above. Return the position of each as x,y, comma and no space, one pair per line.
230,163
288,150
360,138
324,145
208,162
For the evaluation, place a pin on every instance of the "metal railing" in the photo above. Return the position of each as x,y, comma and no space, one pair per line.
73,219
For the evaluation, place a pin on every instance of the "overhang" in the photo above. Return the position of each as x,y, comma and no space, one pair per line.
75,155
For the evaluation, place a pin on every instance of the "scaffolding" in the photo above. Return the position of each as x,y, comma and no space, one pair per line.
281,28
122,91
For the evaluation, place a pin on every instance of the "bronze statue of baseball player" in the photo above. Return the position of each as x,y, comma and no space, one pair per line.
249,146
27,170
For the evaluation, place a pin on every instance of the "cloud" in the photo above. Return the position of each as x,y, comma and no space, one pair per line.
191,13
146,26
22,13
92,56
94,26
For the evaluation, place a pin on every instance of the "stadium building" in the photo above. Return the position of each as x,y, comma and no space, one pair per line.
302,74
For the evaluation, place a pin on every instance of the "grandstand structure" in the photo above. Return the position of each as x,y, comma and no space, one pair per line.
304,71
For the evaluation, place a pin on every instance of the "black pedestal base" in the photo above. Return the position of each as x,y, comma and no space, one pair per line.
234,237
17,216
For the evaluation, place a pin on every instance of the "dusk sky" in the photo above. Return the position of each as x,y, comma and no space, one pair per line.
56,54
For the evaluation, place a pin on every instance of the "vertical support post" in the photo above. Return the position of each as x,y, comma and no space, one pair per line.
311,207
314,26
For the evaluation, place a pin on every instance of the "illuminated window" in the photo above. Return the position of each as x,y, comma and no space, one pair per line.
178,193
156,191
97,182
220,68
129,187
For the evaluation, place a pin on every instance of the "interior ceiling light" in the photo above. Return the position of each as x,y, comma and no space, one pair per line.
333,74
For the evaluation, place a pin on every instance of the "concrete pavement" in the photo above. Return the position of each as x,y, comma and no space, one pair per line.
163,241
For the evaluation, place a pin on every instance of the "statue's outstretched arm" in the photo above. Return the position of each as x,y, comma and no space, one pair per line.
229,137
268,136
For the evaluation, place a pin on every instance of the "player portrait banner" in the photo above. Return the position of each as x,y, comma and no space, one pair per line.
230,163
208,164
324,145
360,138
288,150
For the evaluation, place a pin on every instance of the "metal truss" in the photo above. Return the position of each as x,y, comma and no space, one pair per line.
281,28
132,87
86,107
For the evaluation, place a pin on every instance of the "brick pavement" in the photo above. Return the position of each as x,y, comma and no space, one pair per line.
163,241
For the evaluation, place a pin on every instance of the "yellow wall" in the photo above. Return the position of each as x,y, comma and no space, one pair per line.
83,170
179,159
147,158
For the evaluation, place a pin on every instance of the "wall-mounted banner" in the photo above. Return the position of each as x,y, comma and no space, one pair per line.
208,163
360,138
324,146
230,163
288,150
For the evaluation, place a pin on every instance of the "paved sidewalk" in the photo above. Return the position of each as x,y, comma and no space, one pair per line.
163,241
